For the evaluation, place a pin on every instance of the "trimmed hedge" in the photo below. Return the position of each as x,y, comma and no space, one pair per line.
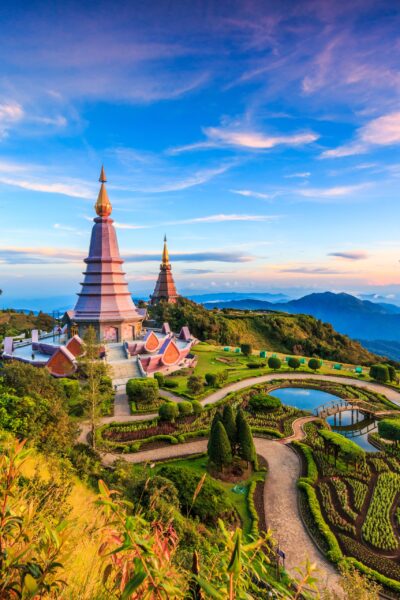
252,509
262,431
334,553
312,471
386,581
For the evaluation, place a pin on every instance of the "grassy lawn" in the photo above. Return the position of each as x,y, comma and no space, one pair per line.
198,464
213,359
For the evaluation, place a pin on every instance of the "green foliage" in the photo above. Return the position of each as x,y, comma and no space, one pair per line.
294,363
144,391
314,364
389,429
333,516
375,567
185,408
252,509
377,528
171,384
264,402
228,420
219,451
211,502
197,407
160,378
195,384
168,411
211,379
334,553
301,334
246,349
379,373
274,363
246,449
312,471
348,449
392,372
39,415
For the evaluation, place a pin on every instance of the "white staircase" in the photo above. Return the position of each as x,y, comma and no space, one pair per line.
125,369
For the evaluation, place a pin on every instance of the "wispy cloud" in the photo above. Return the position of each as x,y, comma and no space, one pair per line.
300,175
311,271
332,192
10,113
252,194
382,131
127,225
13,255
350,255
74,190
222,218
220,137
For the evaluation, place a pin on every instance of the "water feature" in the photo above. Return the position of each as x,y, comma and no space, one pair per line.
350,423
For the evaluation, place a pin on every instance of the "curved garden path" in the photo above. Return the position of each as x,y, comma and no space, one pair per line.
280,492
280,499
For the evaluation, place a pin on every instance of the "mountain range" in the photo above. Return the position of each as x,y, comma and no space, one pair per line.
376,325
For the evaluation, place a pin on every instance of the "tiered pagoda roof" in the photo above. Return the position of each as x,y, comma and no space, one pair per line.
165,289
104,296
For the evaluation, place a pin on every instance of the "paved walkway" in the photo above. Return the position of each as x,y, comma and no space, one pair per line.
280,499
121,404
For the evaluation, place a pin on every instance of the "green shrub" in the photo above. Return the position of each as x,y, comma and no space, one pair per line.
211,379
171,383
211,503
389,429
219,447
144,391
312,471
314,364
247,349
185,408
379,373
197,407
274,363
168,411
195,384
294,363
264,403
71,388
160,378
252,509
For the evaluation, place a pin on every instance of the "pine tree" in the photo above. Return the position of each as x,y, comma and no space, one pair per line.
217,418
228,421
219,451
246,450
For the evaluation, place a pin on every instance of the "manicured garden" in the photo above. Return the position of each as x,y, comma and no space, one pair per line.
350,501
231,364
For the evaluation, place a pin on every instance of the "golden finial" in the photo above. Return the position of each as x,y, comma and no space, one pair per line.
165,255
103,205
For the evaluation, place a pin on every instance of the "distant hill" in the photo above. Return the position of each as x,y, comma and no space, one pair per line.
14,322
291,334
360,319
228,296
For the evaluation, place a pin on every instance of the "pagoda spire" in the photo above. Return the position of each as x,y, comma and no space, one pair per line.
103,205
165,289
165,254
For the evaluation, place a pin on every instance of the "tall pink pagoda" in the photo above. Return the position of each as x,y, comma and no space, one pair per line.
165,290
105,301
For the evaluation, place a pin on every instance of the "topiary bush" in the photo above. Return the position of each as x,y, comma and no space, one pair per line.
160,378
314,364
294,363
185,408
168,411
264,403
379,373
171,384
197,407
274,363
144,391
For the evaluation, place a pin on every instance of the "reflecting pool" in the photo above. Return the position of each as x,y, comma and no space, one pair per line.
350,423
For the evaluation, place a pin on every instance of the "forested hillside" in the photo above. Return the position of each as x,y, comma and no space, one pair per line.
298,334
13,322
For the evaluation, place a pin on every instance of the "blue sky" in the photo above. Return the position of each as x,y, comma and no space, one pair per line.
262,138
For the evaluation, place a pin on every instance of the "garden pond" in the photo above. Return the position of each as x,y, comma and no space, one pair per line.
350,423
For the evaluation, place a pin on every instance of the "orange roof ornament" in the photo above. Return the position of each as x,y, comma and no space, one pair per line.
103,205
